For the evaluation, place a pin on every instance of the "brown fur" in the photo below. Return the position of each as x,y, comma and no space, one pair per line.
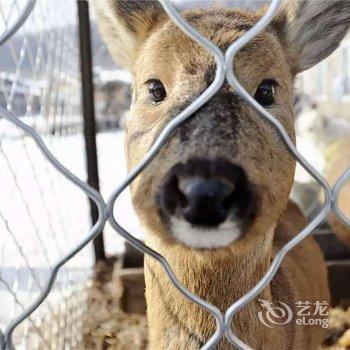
223,277
227,128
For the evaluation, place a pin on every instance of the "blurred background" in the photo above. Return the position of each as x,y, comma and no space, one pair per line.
42,215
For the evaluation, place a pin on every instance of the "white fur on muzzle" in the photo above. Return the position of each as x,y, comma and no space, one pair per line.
204,238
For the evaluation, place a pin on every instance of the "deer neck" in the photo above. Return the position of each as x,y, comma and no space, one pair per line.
219,277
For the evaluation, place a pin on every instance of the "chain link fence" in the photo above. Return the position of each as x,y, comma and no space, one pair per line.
41,215
57,247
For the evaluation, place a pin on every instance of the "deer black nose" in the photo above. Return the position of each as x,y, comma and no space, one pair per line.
206,192
206,201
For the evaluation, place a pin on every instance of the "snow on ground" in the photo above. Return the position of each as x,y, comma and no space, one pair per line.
112,171
43,216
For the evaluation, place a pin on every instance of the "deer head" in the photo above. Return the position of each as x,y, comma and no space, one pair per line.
224,177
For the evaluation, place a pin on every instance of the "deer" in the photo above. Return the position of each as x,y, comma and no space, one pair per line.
215,200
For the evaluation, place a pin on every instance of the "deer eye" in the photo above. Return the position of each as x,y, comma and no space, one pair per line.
265,93
156,91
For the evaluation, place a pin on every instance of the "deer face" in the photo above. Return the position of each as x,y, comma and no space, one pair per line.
224,175
224,171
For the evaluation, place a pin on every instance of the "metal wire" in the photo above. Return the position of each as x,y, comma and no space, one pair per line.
43,57
224,70
19,23
335,197
96,229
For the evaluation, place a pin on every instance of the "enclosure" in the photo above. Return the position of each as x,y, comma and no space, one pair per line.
67,279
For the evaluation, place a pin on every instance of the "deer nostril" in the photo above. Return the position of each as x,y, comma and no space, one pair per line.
228,201
183,201
170,196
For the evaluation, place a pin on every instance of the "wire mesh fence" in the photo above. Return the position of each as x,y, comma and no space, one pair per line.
40,84
63,258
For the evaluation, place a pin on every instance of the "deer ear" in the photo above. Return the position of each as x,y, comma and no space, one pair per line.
311,29
125,24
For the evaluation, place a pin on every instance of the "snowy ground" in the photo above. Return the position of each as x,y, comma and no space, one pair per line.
112,171
42,215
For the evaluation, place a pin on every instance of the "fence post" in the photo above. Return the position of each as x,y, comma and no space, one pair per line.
89,115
